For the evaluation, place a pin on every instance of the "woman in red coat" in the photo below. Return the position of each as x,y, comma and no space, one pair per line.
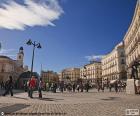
32,84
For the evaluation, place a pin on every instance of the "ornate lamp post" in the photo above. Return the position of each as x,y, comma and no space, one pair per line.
85,75
35,45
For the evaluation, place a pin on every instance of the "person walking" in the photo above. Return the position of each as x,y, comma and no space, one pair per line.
119,86
110,87
81,87
137,86
54,87
116,86
78,87
61,86
28,87
73,87
32,84
40,87
87,86
9,87
102,87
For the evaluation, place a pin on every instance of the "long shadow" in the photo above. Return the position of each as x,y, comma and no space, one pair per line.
48,99
111,98
14,91
13,108
20,98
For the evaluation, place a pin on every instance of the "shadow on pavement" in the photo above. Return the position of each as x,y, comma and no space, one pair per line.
111,98
47,99
20,98
13,108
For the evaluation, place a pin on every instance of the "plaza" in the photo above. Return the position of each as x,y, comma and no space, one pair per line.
70,104
104,33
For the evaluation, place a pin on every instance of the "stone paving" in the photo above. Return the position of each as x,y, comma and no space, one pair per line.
70,104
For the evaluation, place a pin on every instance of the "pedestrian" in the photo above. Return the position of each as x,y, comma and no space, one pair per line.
119,86
62,86
116,86
73,87
28,87
40,87
32,84
2,85
137,86
54,87
98,87
87,86
102,87
9,87
110,87
78,87
81,86
69,87
65,86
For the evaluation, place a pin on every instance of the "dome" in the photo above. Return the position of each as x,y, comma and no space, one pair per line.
27,75
21,48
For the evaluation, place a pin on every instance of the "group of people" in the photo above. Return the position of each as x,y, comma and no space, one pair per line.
34,84
73,87
118,86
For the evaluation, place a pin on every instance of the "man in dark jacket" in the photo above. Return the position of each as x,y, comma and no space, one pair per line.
9,87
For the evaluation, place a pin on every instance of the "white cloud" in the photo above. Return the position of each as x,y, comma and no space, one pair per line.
8,52
18,16
94,57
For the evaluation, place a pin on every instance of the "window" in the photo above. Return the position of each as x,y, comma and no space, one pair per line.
122,54
122,61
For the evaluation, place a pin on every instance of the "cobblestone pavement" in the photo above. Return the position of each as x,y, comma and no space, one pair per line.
70,104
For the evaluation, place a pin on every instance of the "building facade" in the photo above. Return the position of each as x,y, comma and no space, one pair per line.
132,41
70,74
91,72
113,64
10,67
49,76
60,76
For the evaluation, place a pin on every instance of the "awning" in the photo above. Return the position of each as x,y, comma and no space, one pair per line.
113,81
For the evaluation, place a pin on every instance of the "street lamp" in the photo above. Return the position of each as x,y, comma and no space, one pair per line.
85,75
35,45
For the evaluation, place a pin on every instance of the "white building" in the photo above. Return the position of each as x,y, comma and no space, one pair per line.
91,71
132,40
113,64
70,74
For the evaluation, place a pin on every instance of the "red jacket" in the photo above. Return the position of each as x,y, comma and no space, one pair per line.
32,83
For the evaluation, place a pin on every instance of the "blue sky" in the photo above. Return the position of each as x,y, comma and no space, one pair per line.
69,31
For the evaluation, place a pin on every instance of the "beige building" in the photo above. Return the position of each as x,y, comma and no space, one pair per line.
49,76
132,40
70,74
113,64
91,72
10,67
60,76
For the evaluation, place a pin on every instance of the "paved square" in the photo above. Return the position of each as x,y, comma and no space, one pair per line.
70,104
